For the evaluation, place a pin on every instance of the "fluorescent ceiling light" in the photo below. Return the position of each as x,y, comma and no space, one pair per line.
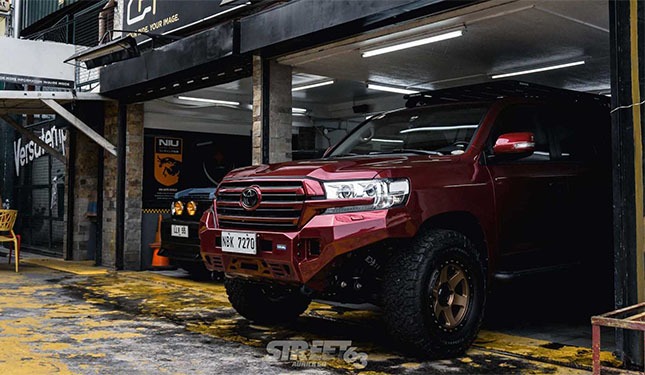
414,43
437,128
552,67
298,110
382,140
204,100
312,85
397,90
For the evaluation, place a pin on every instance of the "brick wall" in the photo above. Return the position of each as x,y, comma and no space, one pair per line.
133,193
85,188
279,112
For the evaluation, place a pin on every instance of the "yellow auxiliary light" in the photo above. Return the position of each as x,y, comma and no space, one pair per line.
191,208
177,208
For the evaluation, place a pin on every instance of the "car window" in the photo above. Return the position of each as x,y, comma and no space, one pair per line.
438,130
573,132
523,118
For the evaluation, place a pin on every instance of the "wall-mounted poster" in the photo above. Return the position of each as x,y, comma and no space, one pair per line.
175,161
168,157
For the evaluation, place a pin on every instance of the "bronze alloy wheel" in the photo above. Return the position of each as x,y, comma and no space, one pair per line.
450,296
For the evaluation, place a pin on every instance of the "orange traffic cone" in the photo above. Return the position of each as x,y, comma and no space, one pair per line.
158,262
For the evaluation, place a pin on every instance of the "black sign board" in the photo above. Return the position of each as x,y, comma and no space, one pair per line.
36,81
174,161
165,16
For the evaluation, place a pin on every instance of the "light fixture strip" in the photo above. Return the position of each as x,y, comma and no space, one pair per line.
310,86
298,110
205,100
396,90
414,43
537,70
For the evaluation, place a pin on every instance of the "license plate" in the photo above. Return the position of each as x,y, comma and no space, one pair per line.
179,231
239,242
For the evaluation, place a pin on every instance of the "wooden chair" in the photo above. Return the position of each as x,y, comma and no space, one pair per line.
7,219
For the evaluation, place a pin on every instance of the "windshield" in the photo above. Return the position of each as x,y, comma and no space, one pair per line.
445,130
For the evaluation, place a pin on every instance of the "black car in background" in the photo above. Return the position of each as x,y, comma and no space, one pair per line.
179,236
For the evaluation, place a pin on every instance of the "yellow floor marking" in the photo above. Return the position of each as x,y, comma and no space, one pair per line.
575,356
82,267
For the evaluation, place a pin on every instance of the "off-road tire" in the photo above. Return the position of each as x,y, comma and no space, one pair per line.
409,301
262,304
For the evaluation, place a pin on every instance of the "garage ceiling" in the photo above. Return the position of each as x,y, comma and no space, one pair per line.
499,36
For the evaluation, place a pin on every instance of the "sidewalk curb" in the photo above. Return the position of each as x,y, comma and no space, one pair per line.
83,267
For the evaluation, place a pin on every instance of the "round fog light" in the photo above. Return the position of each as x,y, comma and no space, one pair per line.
191,208
177,208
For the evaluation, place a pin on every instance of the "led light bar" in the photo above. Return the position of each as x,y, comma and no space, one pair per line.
530,71
298,110
397,90
312,85
205,100
414,43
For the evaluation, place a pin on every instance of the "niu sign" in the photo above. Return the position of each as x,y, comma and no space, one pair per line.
168,158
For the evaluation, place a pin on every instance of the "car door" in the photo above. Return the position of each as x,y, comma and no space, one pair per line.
580,138
529,191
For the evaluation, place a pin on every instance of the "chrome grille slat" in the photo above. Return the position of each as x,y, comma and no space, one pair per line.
280,208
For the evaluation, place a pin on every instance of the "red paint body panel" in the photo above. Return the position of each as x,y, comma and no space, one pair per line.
499,197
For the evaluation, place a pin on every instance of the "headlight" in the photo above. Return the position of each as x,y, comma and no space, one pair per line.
191,208
177,208
386,193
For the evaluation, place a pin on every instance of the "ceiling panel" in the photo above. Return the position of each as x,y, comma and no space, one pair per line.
500,36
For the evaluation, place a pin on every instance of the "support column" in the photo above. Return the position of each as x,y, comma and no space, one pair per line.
271,111
627,84
83,184
122,188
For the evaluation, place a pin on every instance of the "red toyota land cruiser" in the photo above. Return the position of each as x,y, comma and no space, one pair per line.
417,210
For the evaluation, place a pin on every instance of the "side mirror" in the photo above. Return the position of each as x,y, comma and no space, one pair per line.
514,143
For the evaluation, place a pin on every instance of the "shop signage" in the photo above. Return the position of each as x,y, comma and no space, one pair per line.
175,161
26,152
168,156
36,81
164,16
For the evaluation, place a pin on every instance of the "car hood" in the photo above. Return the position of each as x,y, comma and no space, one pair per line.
196,193
355,167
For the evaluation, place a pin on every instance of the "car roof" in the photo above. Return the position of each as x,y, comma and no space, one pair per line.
505,89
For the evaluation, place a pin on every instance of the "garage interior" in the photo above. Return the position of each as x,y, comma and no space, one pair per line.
335,87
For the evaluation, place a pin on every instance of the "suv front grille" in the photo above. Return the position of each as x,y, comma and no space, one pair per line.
280,207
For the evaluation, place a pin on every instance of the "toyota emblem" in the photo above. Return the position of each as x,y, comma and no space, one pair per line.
250,198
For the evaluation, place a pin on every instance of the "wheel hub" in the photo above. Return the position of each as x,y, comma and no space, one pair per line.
450,296
444,294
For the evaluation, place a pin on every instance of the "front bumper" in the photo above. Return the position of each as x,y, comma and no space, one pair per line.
298,256
185,249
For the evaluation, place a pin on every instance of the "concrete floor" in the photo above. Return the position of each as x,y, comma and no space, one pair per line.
69,318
